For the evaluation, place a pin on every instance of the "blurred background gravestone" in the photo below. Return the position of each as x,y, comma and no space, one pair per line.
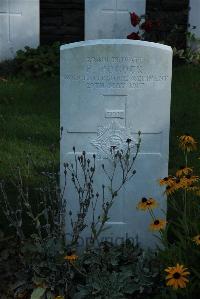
19,26
194,22
110,19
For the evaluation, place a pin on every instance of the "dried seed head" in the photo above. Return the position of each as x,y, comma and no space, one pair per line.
128,140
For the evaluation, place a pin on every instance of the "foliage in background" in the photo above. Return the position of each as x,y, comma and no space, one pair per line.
43,61
192,52
34,63
147,29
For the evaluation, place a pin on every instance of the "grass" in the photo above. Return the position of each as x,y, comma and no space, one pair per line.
29,120
29,116
185,112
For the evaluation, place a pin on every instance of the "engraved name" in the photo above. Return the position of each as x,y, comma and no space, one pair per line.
115,73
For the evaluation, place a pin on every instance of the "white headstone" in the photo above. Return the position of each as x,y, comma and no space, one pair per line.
110,19
110,90
194,21
19,26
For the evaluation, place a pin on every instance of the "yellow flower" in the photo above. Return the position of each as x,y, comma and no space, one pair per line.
176,276
185,182
197,239
193,188
168,181
158,224
187,143
189,180
71,257
146,204
170,190
183,171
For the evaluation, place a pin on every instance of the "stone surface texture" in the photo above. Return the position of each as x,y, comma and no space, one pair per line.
110,19
19,26
110,90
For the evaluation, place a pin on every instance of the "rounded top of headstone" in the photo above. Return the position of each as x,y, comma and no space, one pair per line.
115,42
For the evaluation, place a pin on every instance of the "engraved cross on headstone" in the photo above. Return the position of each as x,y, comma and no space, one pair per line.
9,13
117,12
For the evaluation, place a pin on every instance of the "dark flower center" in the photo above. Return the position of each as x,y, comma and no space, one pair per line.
156,222
188,176
144,199
166,179
177,180
176,275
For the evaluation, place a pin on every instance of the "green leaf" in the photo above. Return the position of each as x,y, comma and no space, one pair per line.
38,293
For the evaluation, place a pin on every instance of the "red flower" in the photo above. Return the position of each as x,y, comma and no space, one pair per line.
134,36
135,19
147,26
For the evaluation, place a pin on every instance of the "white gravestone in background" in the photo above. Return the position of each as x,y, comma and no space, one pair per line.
194,21
110,90
110,18
19,26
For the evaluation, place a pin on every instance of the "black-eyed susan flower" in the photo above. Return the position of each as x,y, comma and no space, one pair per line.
185,182
196,239
170,190
147,203
152,203
183,170
179,183
176,276
192,188
187,143
71,257
142,204
167,181
189,180
157,224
